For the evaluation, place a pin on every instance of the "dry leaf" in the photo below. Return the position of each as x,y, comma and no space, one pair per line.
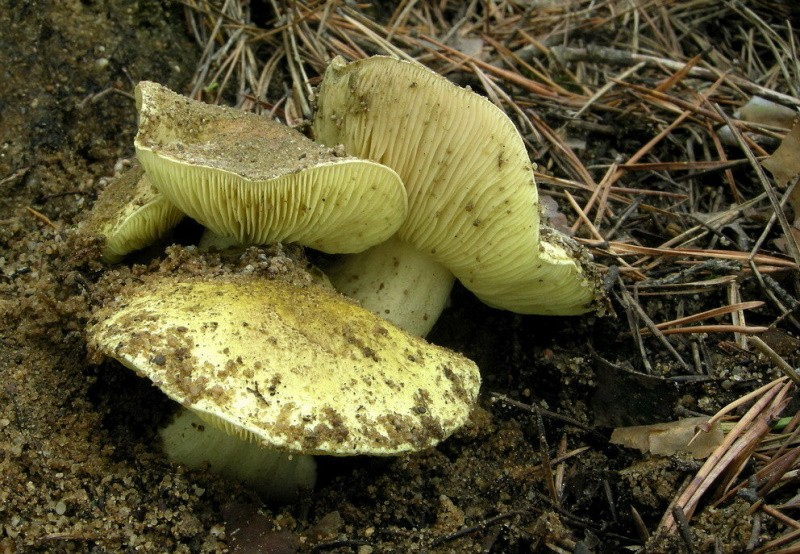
665,439
784,163
794,203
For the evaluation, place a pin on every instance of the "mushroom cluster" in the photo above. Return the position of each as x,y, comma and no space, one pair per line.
416,181
268,372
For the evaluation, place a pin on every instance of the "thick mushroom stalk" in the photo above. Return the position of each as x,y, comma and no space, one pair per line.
473,203
196,443
396,281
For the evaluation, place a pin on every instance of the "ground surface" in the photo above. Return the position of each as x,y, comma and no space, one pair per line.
80,469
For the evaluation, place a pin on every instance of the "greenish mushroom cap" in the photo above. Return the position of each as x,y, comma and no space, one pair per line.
130,214
250,178
473,203
292,368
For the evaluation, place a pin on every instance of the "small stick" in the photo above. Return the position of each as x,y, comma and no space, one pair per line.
737,316
742,437
783,539
603,189
658,333
641,528
710,165
353,17
583,217
639,154
679,75
399,17
73,536
779,466
614,56
477,527
92,98
574,162
628,302
765,259
324,546
683,527
610,498
544,453
558,460
547,413
560,466
737,198
698,362
740,401
607,87
41,217
16,175
745,329
755,534
780,516
710,313
510,76
776,358
623,217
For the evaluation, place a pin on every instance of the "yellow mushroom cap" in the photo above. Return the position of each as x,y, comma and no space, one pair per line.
131,214
473,204
293,368
248,177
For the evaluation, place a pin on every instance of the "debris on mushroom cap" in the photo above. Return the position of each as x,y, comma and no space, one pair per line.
472,198
293,368
130,213
248,177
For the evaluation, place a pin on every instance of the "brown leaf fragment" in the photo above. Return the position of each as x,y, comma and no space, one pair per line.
666,439
784,163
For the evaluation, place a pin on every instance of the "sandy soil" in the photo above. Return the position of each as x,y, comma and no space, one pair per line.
80,469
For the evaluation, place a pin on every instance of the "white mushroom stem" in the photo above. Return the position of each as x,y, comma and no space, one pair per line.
213,241
397,282
276,476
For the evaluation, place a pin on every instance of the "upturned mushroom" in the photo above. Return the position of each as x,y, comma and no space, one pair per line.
473,205
130,214
252,179
281,368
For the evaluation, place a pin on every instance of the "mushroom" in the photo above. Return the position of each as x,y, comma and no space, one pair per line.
473,206
250,178
130,214
281,367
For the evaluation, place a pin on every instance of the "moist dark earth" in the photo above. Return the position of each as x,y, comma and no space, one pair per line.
80,466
